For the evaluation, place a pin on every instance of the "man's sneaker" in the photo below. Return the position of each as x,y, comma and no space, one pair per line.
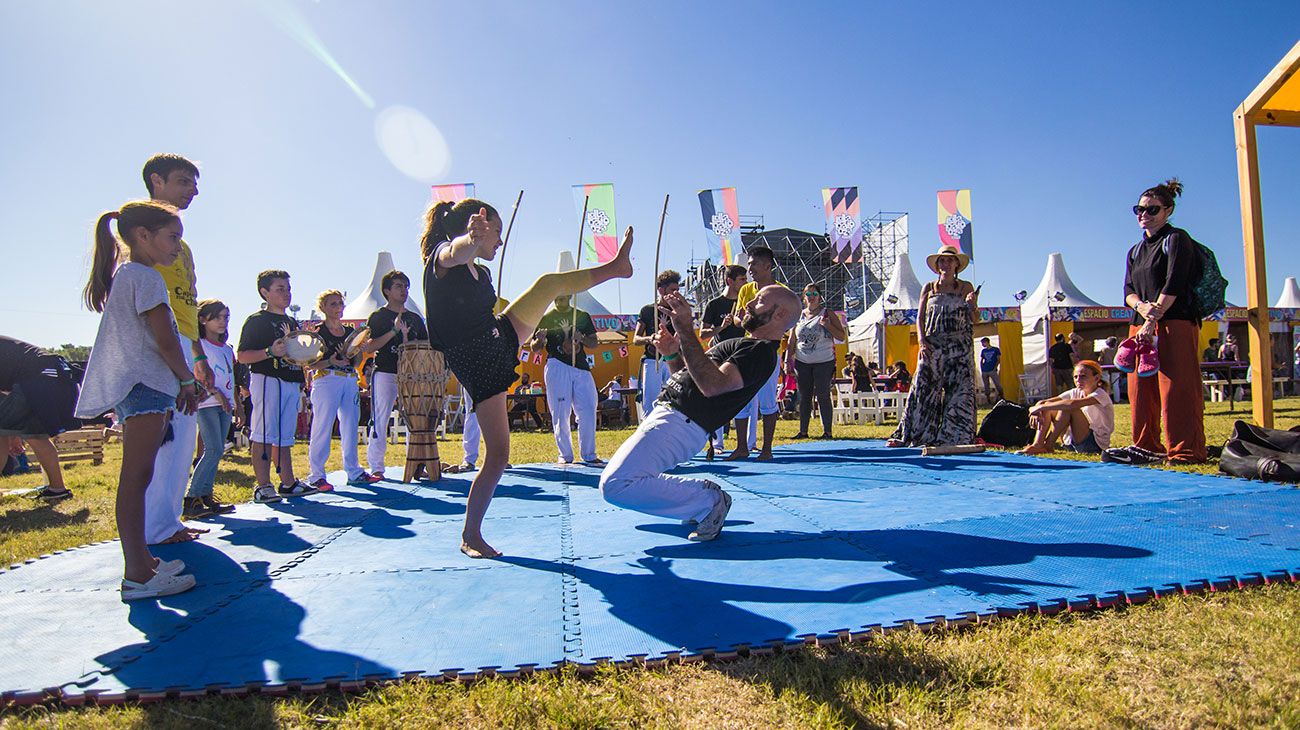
711,525
322,485
366,478
1131,455
1148,361
297,489
218,508
194,508
1126,355
266,494
50,497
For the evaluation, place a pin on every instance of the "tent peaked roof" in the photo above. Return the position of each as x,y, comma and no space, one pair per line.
1290,294
1056,289
372,294
902,292
582,300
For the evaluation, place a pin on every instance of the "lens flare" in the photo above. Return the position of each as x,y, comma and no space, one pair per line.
292,22
412,143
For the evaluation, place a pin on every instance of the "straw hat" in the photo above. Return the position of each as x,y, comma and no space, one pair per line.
946,250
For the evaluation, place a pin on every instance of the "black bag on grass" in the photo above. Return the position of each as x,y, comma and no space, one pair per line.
1268,454
1007,425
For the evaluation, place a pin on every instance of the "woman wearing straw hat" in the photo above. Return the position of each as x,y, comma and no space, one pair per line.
940,408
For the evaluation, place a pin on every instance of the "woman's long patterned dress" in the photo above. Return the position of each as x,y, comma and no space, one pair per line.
940,408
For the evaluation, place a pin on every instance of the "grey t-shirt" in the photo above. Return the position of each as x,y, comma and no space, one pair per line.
125,351
813,342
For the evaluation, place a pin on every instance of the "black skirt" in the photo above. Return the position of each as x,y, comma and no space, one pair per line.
486,364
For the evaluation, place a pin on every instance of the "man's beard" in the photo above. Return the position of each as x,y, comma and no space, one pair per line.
754,321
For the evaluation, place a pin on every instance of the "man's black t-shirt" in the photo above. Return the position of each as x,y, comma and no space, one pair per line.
559,327
259,332
1061,355
333,345
647,322
21,360
714,312
381,322
756,359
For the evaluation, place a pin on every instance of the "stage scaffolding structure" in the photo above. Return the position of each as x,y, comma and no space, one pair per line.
803,257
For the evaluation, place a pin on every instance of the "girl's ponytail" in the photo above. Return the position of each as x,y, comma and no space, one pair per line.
103,263
434,230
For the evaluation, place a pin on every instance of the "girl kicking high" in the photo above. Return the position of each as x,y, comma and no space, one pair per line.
481,349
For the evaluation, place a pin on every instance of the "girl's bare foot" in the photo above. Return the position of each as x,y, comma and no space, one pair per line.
478,548
738,455
1035,449
621,264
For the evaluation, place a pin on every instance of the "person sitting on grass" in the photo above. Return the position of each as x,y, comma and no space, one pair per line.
1082,417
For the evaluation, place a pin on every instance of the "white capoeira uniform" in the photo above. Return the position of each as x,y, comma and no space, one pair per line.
165,494
470,435
763,404
654,373
275,410
383,394
334,393
570,388
635,477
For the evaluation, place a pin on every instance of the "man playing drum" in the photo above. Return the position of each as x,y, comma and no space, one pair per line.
275,384
390,327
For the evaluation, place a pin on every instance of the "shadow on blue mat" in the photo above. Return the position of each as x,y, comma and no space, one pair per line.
206,646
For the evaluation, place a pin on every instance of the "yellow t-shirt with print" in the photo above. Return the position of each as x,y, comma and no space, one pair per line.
182,293
747,294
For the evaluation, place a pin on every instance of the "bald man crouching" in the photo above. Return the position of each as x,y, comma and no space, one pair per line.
706,390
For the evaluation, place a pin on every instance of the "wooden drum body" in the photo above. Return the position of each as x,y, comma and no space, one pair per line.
421,389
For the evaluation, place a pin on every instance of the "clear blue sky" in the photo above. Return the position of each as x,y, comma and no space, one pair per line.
1056,116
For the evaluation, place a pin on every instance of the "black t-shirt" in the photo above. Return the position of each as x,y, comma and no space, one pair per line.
647,321
559,327
756,360
21,360
1165,263
459,307
714,311
381,322
333,345
259,332
1061,355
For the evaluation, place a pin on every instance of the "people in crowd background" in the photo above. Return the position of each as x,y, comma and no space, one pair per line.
1062,357
940,408
215,414
566,332
391,326
653,370
762,273
813,358
38,392
990,369
1160,271
1083,418
334,397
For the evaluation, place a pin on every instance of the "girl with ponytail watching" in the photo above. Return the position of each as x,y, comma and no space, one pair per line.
138,370
482,348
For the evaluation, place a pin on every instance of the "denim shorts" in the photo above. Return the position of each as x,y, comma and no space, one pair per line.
141,400
1087,446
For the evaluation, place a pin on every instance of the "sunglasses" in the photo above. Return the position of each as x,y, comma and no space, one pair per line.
812,294
1148,209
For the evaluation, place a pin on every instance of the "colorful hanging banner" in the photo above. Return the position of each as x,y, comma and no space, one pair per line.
955,220
453,193
843,223
721,224
599,232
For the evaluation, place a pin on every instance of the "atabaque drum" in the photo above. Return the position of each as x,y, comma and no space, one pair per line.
421,389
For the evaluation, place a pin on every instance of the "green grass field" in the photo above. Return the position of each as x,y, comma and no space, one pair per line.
1220,659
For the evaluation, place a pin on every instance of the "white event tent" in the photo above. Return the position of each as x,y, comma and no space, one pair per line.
868,332
1054,290
372,294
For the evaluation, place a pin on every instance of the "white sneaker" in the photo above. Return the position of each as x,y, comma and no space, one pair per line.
170,567
266,494
711,525
161,584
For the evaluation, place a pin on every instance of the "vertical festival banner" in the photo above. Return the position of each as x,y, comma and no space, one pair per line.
453,193
843,223
955,220
721,224
600,232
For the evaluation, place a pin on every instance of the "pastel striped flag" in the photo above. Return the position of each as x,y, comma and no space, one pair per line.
453,193
599,231
721,224
844,223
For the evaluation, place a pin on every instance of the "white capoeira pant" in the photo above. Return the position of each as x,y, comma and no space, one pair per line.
763,404
654,373
275,410
469,437
334,394
571,389
383,394
165,494
635,479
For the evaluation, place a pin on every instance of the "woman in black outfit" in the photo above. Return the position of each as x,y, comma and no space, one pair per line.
480,348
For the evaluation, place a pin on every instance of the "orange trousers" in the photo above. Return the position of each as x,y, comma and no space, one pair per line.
1173,395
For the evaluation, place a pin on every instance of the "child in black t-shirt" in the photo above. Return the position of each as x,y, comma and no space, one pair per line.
391,326
276,388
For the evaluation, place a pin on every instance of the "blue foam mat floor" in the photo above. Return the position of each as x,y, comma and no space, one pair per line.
367,582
